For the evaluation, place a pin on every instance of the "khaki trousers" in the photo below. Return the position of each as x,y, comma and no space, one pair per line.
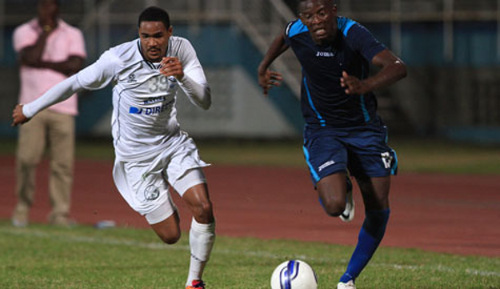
54,133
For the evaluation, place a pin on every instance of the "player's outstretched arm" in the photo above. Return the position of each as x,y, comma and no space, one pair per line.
59,92
392,70
268,78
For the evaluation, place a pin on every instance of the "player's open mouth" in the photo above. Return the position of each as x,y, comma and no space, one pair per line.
320,32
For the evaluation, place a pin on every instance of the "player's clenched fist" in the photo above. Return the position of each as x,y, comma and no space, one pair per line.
352,84
171,66
17,115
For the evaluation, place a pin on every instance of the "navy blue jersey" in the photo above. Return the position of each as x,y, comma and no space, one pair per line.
323,100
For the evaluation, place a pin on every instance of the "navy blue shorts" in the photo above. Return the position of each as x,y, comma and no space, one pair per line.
361,150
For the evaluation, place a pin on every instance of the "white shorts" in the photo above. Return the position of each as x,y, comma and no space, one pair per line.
192,178
145,184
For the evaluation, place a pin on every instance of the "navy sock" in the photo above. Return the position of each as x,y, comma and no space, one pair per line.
369,238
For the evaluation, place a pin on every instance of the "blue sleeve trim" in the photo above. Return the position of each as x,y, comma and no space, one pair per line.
360,39
296,27
344,24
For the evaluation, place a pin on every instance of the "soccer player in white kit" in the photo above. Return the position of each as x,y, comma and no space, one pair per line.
152,155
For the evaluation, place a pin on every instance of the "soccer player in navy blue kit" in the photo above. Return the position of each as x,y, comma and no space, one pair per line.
343,131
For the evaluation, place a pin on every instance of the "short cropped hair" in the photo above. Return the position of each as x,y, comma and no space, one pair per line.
154,14
330,2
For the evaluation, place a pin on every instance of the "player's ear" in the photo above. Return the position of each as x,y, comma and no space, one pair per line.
170,30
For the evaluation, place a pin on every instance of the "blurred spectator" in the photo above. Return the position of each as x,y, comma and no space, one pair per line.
49,50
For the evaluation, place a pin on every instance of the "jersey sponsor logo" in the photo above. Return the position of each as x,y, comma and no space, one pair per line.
135,110
131,78
325,165
150,110
152,100
325,54
151,193
387,159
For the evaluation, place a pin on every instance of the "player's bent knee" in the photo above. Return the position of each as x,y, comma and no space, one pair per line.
168,230
171,239
332,208
334,212
203,211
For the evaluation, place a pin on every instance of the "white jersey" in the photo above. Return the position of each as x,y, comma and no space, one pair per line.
144,115
150,148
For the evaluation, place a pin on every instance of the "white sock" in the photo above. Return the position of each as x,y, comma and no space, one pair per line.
201,241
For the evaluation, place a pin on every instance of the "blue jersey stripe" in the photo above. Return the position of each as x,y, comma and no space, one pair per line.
344,24
394,167
309,98
296,27
363,108
395,164
311,169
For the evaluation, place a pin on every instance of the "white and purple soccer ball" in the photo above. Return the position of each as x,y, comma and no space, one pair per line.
294,274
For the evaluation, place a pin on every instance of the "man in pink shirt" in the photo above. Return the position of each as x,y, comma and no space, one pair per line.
49,50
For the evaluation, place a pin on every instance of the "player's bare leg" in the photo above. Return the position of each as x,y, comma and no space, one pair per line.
375,192
202,232
199,203
168,230
332,191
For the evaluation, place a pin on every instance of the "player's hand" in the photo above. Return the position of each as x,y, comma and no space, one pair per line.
171,66
268,79
17,116
352,84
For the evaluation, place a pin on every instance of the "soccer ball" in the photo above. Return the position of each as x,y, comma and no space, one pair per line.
294,274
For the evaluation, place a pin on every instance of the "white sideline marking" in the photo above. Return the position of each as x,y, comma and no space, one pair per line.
161,246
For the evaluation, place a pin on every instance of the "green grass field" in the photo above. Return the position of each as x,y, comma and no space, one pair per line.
46,257
42,256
